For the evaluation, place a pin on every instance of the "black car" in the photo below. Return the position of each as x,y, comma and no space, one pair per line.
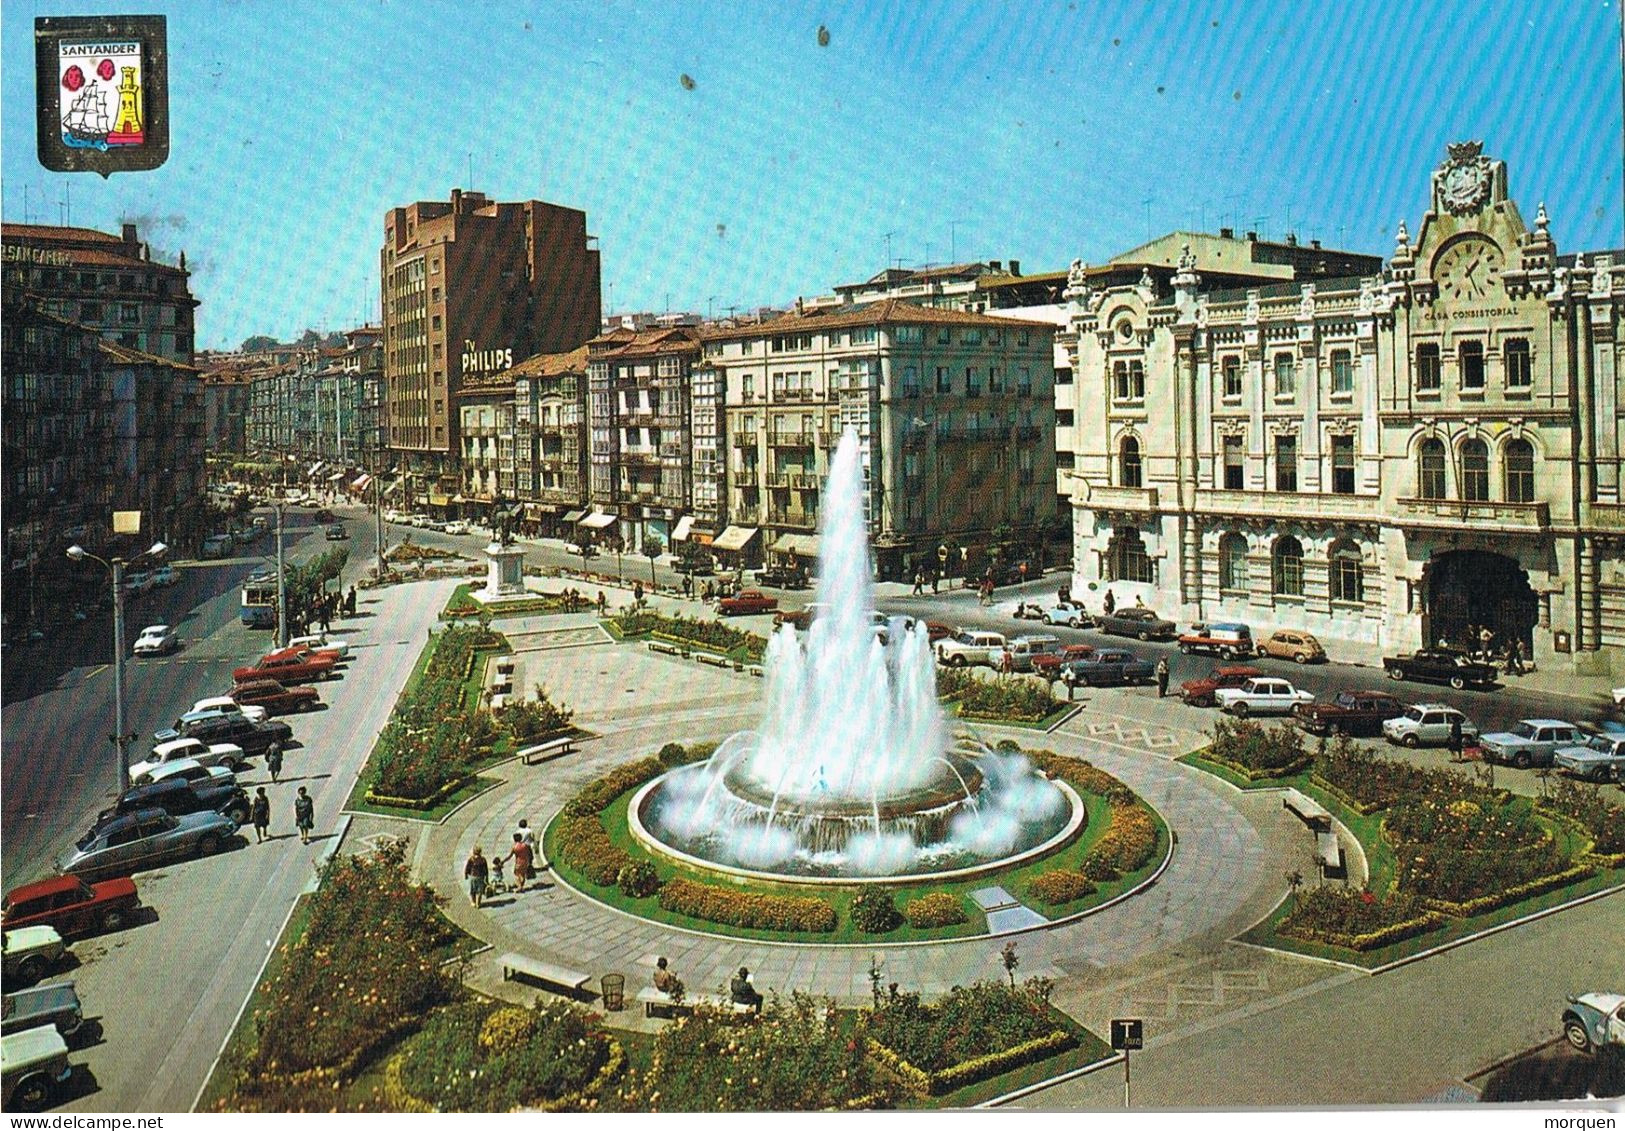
780,577
251,736
337,533
175,797
1440,665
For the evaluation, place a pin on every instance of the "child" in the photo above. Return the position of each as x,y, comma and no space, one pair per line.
497,883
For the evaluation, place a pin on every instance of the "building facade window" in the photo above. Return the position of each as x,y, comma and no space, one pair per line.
1286,376
1520,472
1347,574
1427,368
1235,467
1230,367
1519,372
1475,471
1342,465
1286,562
1129,380
1342,372
1126,558
945,379
1470,357
1430,469
1233,562
1286,463
1129,472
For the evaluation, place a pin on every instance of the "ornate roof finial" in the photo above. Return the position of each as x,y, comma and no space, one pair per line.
1541,222
1402,238
1187,261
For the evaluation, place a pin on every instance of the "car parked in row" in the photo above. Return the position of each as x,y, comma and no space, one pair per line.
336,532
185,769
1049,664
801,618
1600,758
165,576
746,603
970,648
1427,724
55,1005
1594,1020
130,842
287,665
1106,667
1352,712
1070,615
267,696
237,730
225,705
1531,742
226,754
1290,644
1440,665
323,644
137,581
1142,624
156,640
27,954
1228,641
33,1068
71,906
1262,695
178,797
1018,654
1199,692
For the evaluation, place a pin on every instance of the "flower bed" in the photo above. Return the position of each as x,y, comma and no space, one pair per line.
1258,751
1126,845
463,603
938,909
748,909
1460,851
598,794
478,1056
1060,886
333,1003
1585,805
585,846
1357,920
1369,782
711,634
1014,700
972,1033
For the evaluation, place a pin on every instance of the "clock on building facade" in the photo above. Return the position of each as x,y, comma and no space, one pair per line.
1468,269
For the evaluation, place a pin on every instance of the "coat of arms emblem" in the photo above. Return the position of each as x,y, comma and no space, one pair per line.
1463,181
103,95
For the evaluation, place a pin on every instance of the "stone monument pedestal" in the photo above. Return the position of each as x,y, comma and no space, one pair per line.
505,572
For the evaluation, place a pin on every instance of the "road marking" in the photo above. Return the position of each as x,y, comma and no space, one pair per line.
96,671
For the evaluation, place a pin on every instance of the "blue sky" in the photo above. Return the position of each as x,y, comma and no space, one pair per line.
1034,131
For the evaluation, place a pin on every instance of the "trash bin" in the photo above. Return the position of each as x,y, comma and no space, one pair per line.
614,986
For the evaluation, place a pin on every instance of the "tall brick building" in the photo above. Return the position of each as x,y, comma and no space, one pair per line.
471,286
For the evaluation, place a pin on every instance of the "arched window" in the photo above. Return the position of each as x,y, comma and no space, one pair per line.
1347,576
1287,566
1233,562
1126,559
1128,463
1520,472
1475,471
1430,470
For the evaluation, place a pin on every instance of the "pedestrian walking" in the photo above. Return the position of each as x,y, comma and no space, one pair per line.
1485,639
325,614
1139,600
919,583
476,870
1007,662
1022,568
259,813
349,603
1063,596
936,576
688,585
525,833
1513,664
304,815
273,759
1453,743
637,594
603,603
524,862
1162,677
1109,604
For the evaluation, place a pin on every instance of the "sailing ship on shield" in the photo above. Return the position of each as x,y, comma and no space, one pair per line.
87,124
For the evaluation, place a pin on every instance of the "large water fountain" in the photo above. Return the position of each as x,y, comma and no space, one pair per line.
853,772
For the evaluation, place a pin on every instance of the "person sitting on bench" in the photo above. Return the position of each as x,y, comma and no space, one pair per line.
743,992
665,981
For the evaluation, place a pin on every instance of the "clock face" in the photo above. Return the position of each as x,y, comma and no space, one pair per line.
1468,270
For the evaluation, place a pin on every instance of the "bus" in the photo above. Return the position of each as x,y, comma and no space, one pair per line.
259,601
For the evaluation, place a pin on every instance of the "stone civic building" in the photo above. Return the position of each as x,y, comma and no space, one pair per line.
1390,459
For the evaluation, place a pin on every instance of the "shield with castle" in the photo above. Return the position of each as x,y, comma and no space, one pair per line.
101,94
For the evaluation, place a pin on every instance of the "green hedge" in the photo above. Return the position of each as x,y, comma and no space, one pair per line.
748,909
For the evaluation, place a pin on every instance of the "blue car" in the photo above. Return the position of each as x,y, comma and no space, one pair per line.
1109,667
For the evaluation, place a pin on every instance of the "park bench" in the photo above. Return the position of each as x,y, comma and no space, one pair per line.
547,751
499,701
713,659
755,669
668,648
505,666
548,973
1307,810
1328,853
658,1003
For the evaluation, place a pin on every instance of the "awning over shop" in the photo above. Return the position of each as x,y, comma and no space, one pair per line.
734,538
361,484
598,521
458,499
535,511
574,516
335,477
439,500
684,524
801,545
394,488
315,469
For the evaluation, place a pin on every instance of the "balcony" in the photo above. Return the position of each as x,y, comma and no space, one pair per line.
798,480
743,440
1029,432
640,457
1287,504
1606,516
1140,500
800,520
746,476
790,439
673,449
1452,513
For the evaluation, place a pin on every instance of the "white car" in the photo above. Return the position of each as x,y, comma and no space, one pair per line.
457,526
971,648
156,640
165,575
1263,695
190,769
227,754
226,705
1069,615
1427,724
1600,758
137,581
26,953
322,642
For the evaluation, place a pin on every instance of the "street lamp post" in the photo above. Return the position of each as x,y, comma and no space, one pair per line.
281,585
121,736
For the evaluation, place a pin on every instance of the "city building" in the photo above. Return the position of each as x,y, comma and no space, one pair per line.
225,409
550,440
640,458
106,282
954,411
1391,458
470,286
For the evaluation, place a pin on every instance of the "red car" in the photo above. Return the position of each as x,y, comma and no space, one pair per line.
275,698
745,602
1199,692
936,630
71,905
290,665
1049,663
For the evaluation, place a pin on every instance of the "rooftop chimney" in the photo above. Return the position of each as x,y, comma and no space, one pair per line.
1315,244
1015,267
129,234
1252,237
1292,239
996,264
1227,233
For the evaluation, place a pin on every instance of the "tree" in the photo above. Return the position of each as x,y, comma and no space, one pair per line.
310,338
258,342
653,547
1011,960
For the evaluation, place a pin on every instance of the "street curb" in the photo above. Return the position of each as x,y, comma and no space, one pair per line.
1041,1085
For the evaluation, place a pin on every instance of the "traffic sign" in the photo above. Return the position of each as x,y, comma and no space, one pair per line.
1128,1033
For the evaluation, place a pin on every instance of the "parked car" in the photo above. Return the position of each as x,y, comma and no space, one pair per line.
1228,641
137,581
244,535
1594,1020
323,515
1072,616
1290,644
227,754
1108,667
56,1005
936,630
1600,758
187,769
971,647
1531,742
215,546
183,725
1020,652
322,642
1440,665
336,532
801,618
146,838
1352,712
269,696
177,797
156,640
747,602
1028,610
1261,695
1427,724
782,577
27,953
226,705
287,665
457,526
1142,624
165,576
33,1068
1049,663
71,906
252,737
1199,692
697,565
